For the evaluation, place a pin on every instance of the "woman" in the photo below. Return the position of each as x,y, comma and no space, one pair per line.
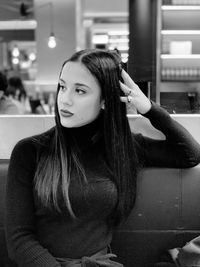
7,105
17,93
69,187
16,88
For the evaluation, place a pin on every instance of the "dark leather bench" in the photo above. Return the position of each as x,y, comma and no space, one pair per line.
166,215
3,250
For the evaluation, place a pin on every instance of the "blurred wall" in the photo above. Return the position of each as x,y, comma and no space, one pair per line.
67,24
105,5
63,20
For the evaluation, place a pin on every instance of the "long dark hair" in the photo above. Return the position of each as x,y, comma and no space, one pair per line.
54,167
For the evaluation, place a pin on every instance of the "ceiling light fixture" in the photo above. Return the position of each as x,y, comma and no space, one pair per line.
15,51
52,39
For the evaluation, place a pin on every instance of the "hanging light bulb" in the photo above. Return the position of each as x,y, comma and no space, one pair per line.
15,60
32,56
52,41
15,51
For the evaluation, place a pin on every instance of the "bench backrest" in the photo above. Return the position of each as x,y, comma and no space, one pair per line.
166,215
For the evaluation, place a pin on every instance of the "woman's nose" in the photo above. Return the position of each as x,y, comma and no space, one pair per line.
67,98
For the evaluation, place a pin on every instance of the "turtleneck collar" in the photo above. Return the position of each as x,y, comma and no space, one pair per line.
87,134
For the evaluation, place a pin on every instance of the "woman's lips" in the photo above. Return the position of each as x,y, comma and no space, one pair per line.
66,113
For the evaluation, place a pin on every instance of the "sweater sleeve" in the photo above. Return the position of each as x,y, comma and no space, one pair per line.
23,246
178,150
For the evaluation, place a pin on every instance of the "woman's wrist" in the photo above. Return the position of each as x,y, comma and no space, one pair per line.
146,107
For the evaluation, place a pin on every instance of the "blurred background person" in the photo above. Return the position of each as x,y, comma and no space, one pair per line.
7,105
16,91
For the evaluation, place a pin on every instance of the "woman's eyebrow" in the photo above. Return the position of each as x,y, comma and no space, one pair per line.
82,84
61,80
77,84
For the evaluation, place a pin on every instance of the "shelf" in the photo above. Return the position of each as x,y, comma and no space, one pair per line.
179,80
167,56
18,25
180,8
180,32
177,18
179,49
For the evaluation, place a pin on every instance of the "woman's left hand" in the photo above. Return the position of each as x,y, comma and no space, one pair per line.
134,95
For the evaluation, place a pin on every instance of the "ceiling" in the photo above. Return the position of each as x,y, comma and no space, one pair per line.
16,10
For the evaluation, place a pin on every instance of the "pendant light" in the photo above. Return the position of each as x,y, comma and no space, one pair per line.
52,39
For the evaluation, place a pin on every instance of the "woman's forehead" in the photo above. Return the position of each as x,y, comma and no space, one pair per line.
76,72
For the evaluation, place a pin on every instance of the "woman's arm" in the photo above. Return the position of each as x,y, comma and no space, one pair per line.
179,150
23,247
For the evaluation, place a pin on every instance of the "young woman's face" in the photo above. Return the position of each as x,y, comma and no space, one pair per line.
79,98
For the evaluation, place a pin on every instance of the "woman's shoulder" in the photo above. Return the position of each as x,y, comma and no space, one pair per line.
44,138
29,146
37,139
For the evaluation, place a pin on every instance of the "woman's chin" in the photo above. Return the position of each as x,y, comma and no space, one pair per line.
66,122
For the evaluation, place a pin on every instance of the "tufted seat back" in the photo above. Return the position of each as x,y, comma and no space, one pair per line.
166,215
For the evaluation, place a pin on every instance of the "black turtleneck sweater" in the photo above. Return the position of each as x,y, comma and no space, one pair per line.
36,235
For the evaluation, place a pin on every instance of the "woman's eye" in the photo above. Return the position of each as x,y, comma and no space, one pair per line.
80,91
62,87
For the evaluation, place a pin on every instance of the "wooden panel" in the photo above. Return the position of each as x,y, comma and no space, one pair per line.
14,128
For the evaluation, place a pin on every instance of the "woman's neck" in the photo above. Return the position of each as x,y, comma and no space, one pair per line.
87,134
